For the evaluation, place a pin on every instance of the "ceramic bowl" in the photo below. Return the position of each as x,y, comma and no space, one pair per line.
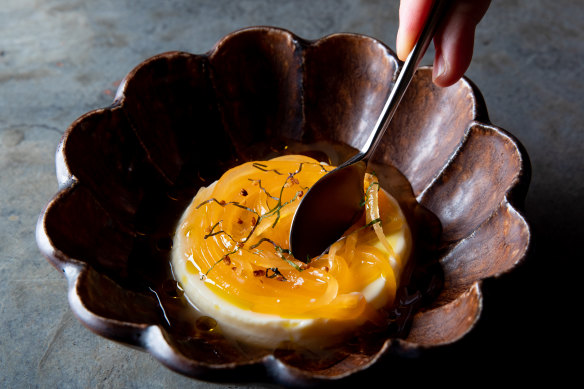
180,120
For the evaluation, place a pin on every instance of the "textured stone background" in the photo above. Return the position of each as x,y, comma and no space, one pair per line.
62,58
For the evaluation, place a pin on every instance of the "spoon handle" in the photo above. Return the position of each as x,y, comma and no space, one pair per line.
405,76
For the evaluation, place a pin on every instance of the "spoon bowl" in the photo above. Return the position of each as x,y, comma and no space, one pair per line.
340,211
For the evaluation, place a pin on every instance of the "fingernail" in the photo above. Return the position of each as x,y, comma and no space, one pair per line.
402,46
439,69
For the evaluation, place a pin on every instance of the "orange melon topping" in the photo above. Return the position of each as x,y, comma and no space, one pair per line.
236,233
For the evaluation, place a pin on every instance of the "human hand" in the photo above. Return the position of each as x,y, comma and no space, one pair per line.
453,41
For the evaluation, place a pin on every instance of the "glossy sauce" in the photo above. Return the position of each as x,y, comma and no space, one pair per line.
419,282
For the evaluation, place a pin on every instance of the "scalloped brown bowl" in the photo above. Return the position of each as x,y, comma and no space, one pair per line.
179,120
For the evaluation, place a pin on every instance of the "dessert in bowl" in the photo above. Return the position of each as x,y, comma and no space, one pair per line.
179,121
231,256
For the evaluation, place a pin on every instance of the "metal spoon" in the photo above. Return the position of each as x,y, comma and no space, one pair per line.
334,203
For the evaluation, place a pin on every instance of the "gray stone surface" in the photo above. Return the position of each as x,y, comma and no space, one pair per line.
62,58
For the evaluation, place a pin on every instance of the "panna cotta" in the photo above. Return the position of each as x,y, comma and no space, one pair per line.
231,257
